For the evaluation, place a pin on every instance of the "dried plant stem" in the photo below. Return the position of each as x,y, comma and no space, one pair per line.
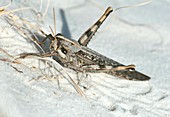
71,80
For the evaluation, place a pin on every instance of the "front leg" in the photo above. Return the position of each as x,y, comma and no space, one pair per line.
50,37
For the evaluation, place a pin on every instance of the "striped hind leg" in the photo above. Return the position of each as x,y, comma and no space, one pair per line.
86,37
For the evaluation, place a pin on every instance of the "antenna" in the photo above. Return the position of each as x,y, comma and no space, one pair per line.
132,6
54,21
54,30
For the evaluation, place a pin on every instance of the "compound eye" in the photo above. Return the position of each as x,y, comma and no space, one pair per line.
63,50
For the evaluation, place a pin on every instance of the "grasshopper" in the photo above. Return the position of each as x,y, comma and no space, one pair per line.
77,56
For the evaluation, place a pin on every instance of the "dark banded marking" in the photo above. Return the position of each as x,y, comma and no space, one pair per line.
89,33
98,23
86,37
97,60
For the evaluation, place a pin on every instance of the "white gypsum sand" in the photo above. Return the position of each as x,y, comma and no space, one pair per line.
139,36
